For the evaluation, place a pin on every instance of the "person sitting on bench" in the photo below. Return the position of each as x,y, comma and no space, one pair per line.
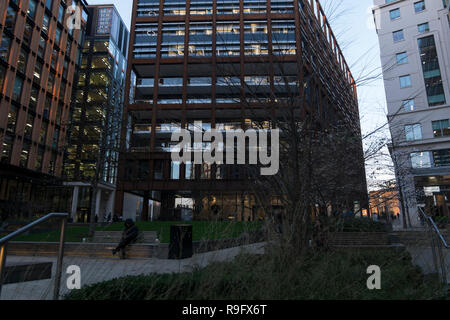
129,236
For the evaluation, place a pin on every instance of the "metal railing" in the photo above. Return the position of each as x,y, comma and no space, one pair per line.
438,242
4,244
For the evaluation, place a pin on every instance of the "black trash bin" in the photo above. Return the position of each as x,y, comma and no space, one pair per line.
180,246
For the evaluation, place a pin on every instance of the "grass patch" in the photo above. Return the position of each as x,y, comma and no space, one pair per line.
339,275
73,234
202,230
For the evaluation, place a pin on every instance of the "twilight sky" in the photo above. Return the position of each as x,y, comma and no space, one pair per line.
353,25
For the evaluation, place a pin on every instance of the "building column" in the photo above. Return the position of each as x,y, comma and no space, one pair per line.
109,209
98,198
118,203
144,216
74,211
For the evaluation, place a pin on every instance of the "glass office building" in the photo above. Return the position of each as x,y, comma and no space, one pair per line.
39,56
95,123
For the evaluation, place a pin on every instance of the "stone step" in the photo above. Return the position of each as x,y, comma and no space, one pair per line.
24,272
116,236
359,238
94,250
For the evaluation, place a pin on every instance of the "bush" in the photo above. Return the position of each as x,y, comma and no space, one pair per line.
442,221
334,275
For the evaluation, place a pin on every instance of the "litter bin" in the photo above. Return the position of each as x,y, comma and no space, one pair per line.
180,246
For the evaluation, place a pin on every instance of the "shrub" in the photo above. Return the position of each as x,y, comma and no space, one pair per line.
334,275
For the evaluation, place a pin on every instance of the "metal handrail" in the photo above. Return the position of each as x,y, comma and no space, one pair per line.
433,227
4,243
436,229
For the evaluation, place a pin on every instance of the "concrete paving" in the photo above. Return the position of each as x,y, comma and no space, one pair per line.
99,270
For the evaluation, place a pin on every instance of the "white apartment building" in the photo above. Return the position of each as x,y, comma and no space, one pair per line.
414,38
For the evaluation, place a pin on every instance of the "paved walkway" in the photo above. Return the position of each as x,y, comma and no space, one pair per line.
99,270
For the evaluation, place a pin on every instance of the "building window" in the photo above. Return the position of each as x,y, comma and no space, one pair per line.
441,158
413,132
58,36
27,34
28,131
32,8
394,14
10,20
50,82
419,6
46,23
441,128
398,35
4,47
24,156
431,71
41,49
421,160
22,61
6,150
158,170
60,13
189,171
33,98
424,27
405,81
402,58
175,170
17,91
37,72
2,77
12,120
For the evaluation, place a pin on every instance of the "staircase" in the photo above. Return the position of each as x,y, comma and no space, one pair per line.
359,239
416,238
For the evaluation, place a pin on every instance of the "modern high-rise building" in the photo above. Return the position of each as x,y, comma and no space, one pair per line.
197,61
40,48
414,39
95,124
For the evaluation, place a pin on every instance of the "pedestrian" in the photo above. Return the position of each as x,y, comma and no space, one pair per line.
129,236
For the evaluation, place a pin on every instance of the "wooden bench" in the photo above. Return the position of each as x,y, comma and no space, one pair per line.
116,236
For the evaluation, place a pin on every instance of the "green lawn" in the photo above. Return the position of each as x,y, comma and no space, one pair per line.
202,230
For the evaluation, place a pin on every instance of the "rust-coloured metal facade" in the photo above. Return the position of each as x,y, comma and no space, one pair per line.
183,57
39,56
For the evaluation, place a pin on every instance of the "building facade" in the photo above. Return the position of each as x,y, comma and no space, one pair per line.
91,162
414,39
40,47
385,204
192,65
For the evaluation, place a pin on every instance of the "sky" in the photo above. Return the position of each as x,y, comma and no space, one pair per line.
356,34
